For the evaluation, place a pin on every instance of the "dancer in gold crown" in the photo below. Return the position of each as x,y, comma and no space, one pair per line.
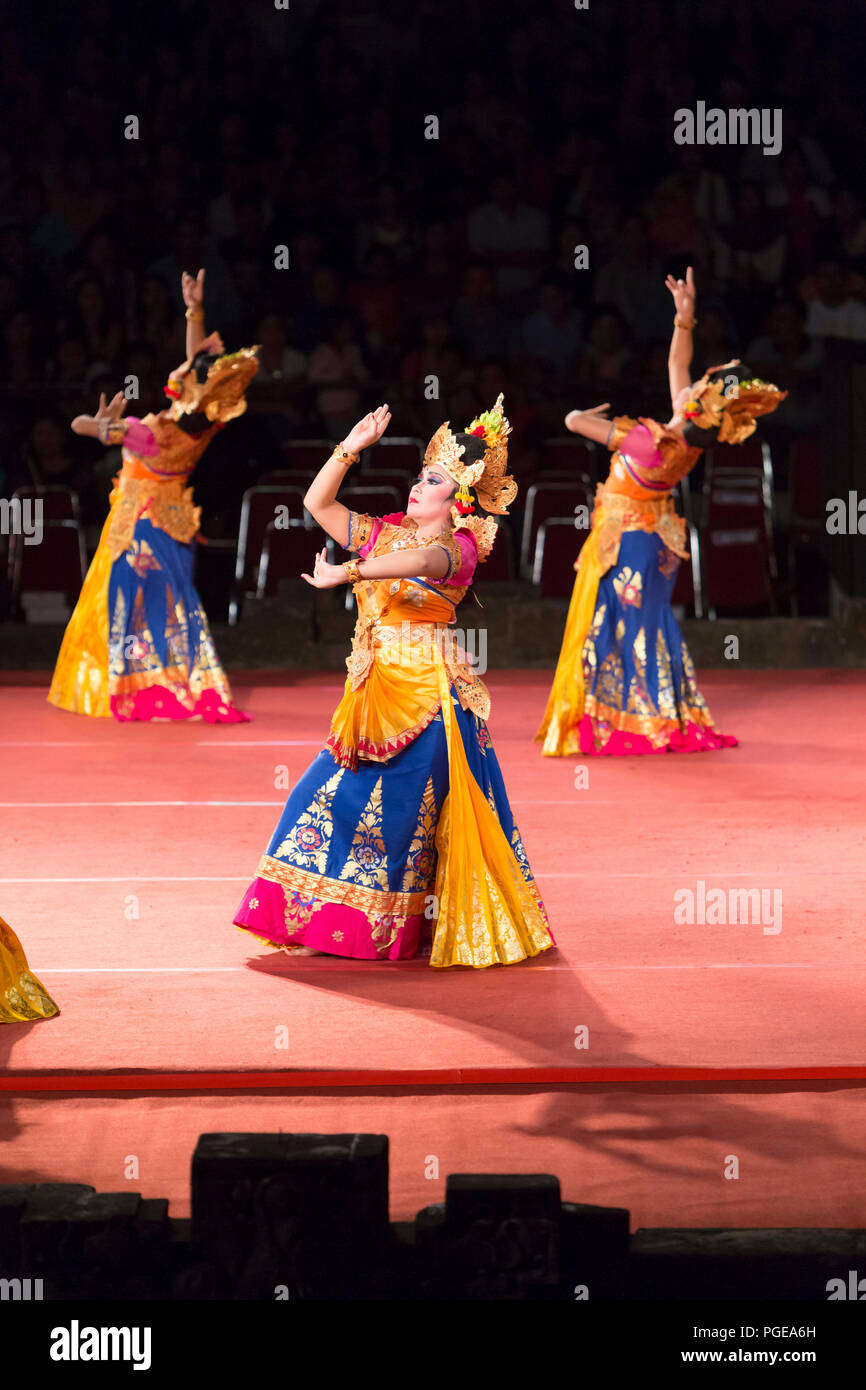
138,645
403,819
625,682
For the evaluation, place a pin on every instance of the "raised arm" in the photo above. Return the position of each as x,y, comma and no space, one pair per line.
680,355
193,297
592,424
321,496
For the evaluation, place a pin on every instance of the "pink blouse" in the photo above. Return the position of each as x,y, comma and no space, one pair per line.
459,578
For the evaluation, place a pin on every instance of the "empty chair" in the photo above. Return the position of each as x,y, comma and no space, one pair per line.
551,499
398,451
736,544
57,564
571,456
375,501
806,474
754,457
258,509
807,522
58,503
688,585
736,570
740,497
286,553
383,477
557,545
498,568
307,455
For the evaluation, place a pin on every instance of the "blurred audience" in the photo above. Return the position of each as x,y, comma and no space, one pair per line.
524,250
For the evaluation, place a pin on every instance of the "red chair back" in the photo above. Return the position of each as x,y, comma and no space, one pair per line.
258,509
400,451
550,499
375,501
806,473
306,455
57,564
498,568
286,553
58,503
557,546
572,456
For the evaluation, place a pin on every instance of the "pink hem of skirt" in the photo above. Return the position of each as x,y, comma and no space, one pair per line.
334,928
622,744
157,702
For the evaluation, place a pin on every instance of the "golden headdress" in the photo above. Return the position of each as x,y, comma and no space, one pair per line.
495,488
732,408
221,395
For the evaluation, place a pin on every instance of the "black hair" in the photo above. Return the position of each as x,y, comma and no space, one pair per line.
474,449
698,438
201,365
194,423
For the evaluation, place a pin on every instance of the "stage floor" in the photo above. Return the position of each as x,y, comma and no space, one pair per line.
126,848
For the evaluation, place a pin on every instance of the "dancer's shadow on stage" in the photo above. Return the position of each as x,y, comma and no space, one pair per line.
536,1014
530,1014
647,1125
10,1127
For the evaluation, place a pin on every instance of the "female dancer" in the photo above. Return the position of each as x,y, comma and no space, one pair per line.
23,998
625,682
403,818
138,645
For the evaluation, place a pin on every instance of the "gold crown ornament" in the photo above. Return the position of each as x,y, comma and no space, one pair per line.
732,410
494,487
221,395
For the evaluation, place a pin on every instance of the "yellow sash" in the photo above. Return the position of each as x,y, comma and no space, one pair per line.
487,912
80,680
559,728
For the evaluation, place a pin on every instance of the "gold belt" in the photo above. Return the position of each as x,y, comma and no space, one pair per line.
169,506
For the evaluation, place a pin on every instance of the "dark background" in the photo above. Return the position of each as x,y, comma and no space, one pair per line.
304,127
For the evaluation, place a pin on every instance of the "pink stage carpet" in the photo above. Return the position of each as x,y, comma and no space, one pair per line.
125,850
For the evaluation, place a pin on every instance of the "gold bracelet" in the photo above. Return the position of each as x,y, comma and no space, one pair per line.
678,323
195,313
344,456
352,570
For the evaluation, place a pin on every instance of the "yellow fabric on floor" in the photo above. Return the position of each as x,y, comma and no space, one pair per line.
80,681
22,996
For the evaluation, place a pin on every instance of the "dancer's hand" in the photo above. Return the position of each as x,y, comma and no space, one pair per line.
683,292
212,344
192,289
113,410
105,415
597,413
326,576
367,431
